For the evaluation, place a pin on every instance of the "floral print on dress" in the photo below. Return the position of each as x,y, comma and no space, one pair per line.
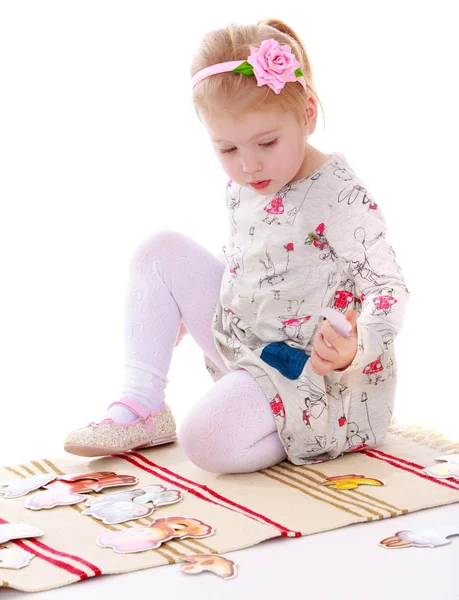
319,241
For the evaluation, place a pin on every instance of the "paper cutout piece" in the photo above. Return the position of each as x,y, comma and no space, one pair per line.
140,539
419,539
112,513
65,493
444,470
18,531
126,496
337,319
92,482
156,494
350,482
185,527
130,505
14,558
53,498
223,567
96,475
15,488
159,495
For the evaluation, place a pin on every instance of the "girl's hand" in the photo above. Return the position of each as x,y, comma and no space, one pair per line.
340,355
181,334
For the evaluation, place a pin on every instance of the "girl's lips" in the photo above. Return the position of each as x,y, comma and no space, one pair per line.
261,184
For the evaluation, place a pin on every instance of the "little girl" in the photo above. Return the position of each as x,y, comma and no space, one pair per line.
304,233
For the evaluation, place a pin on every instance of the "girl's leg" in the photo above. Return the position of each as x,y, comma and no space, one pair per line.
232,429
172,278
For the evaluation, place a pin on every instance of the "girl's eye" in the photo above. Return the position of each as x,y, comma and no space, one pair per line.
267,145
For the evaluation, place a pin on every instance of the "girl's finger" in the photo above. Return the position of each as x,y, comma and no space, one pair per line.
332,336
322,367
323,350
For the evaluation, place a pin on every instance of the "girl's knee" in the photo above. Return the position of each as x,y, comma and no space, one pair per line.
207,436
222,428
201,445
162,241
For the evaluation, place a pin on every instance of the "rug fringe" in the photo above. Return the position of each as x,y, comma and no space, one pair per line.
426,437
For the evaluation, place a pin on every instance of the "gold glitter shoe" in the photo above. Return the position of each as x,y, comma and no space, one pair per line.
108,437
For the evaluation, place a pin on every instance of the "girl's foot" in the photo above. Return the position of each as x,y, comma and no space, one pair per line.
110,437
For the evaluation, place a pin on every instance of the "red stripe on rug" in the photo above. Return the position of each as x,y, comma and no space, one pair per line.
93,568
56,563
285,531
217,495
418,473
407,462
53,561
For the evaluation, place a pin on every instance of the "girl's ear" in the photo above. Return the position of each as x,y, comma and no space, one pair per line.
311,114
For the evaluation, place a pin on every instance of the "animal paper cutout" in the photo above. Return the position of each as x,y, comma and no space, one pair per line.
350,482
140,539
420,539
112,513
159,496
15,488
446,469
223,567
18,531
14,558
68,490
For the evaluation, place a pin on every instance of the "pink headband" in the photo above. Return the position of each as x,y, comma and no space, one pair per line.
272,65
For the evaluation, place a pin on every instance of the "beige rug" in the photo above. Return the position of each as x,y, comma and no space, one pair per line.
245,510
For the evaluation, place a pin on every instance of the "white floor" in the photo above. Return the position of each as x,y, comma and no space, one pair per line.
344,563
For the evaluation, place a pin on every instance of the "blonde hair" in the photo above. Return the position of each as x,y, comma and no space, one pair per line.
235,93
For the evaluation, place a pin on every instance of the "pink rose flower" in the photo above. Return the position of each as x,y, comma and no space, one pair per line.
273,65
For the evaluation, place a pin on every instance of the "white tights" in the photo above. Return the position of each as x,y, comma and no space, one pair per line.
231,429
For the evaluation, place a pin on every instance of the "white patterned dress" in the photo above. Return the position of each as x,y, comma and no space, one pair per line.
319,241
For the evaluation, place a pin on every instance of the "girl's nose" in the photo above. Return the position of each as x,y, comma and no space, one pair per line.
251,164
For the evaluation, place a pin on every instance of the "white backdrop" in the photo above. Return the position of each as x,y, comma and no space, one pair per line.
98,138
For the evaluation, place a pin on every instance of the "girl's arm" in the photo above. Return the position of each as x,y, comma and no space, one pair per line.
356,232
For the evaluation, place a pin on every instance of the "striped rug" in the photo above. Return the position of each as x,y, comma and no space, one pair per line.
285,500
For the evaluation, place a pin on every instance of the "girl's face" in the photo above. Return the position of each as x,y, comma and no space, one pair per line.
268,147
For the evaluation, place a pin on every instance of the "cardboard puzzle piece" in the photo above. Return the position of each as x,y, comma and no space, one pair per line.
448,468
14,558
420,539
18,531
112,513
197,563
125,496
159,496
51,498
92,482
350,482
69,490
130,505
15,488
337,320
140,539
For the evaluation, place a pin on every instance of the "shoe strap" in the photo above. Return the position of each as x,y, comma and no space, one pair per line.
139,410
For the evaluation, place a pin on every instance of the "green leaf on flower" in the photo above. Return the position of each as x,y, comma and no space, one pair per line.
245,69
299,73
